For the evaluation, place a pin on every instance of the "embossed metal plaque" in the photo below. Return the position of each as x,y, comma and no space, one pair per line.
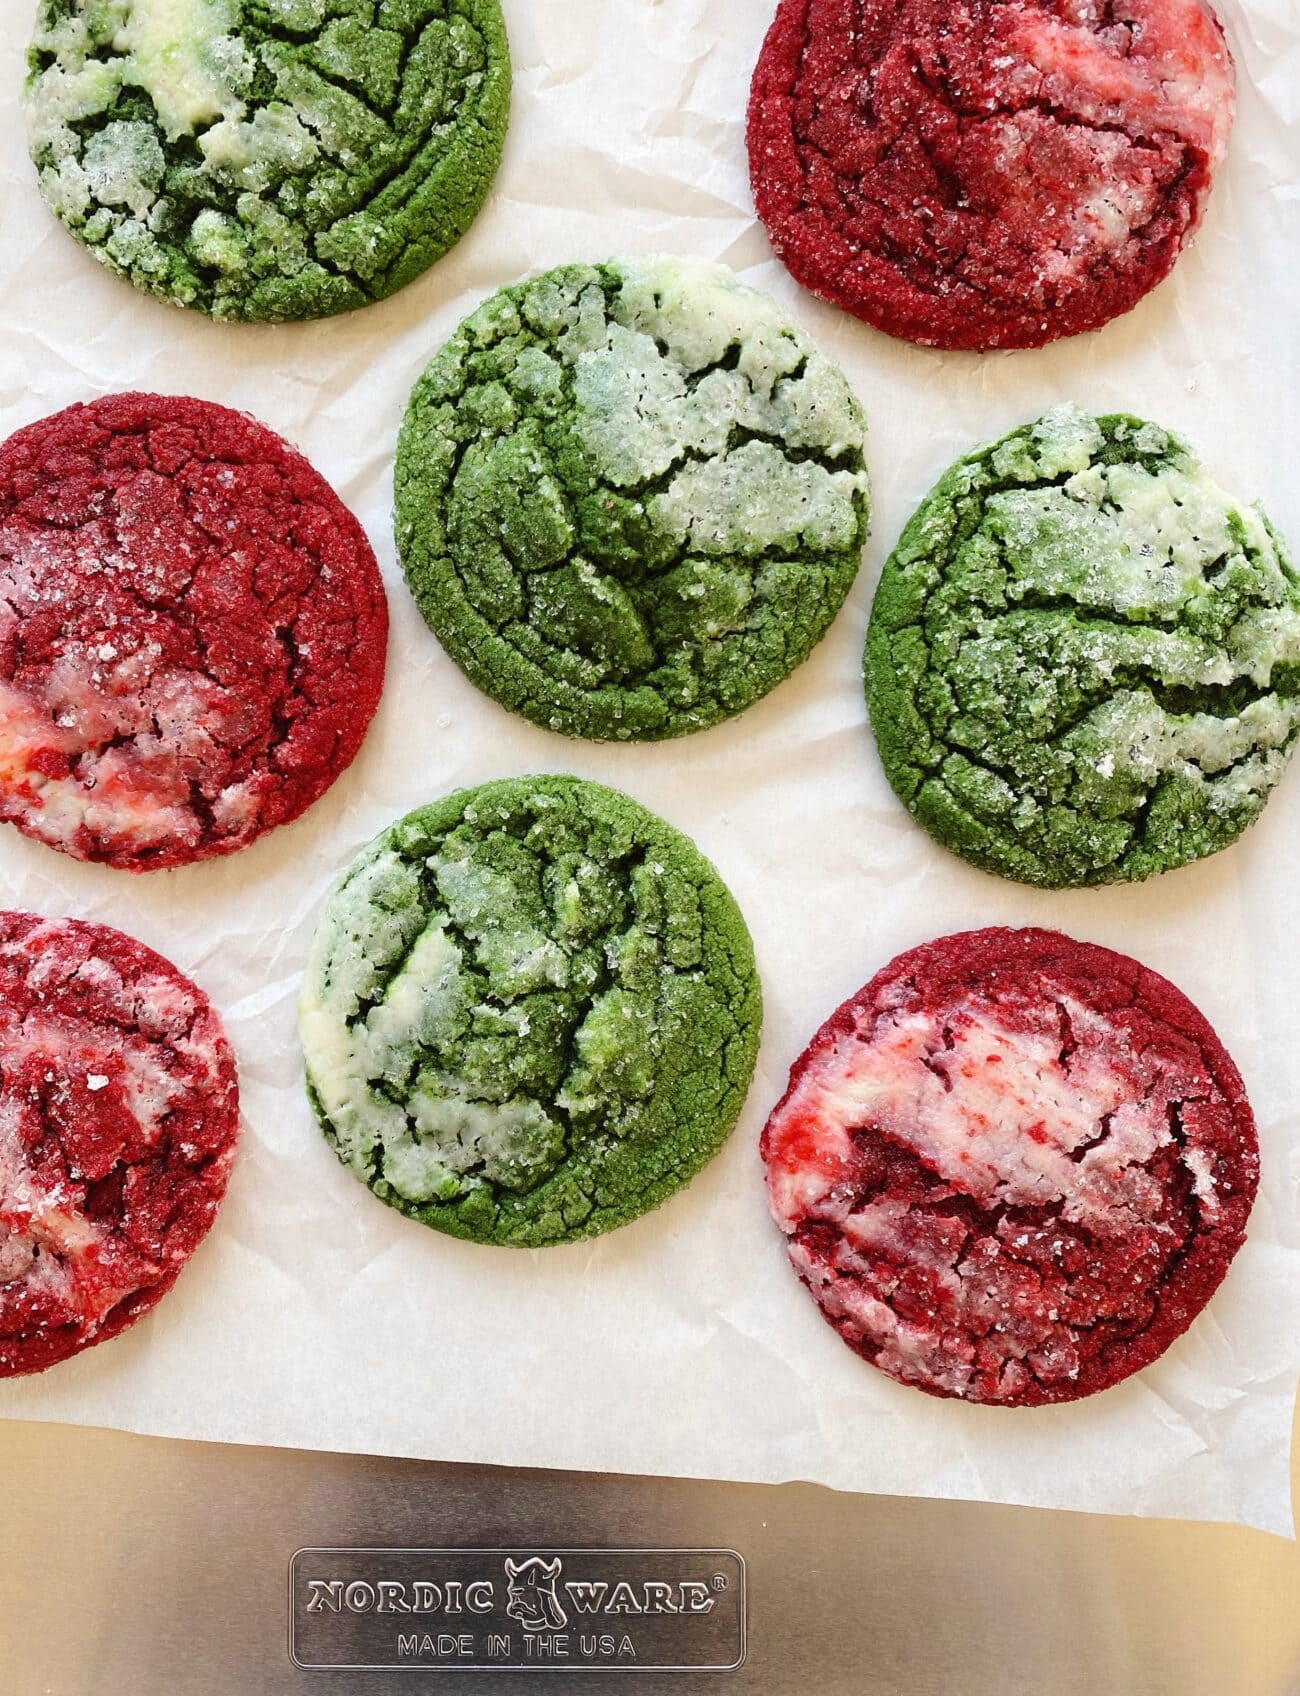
605,1610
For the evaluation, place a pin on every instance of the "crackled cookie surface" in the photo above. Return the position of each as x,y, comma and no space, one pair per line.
268,159
1084,657
987,173
630,498
192,631
119,1114
1013,1168
531,1012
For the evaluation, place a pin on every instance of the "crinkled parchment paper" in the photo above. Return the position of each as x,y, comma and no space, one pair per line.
314,1316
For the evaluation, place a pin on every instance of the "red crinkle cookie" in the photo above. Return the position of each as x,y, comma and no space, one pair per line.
119,1115
1013,1168
192,631
987,173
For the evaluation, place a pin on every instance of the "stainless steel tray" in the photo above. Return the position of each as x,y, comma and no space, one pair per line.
135,1567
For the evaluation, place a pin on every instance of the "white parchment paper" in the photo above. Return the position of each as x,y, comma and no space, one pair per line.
315,1317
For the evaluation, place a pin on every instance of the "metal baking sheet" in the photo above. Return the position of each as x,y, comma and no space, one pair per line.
138,1567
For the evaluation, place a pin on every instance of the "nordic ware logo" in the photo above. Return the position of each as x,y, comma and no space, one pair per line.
475,1609
531,1590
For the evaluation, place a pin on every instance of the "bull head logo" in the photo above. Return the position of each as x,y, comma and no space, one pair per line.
531,1592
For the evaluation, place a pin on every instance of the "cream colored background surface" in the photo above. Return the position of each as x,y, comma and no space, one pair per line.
682,1344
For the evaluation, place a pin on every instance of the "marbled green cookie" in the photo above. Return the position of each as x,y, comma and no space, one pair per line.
531,1012
1084,658
630,497
268,159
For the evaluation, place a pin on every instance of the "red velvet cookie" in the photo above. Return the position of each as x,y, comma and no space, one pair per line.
192,631
987,173
1013,1168
119,1114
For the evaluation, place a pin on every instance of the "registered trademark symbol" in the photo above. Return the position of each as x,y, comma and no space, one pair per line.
719,1581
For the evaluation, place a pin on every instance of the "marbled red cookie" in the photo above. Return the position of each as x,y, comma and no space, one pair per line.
119,1114
1013,1168
987,173
192,631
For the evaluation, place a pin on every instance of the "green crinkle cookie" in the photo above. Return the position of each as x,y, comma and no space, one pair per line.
531,1012
1083,665
268,159
630,497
